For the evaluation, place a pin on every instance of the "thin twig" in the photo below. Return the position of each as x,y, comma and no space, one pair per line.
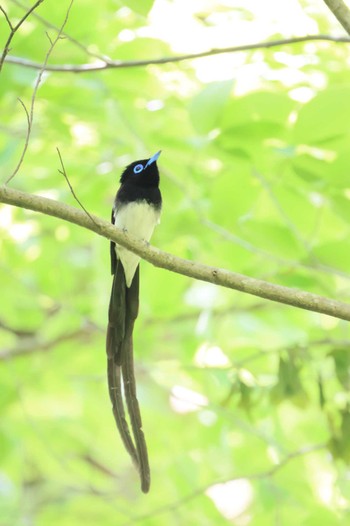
20,333
96,464
104,63
218,276
64,173
48,37
7,18
36,87
29,117
14,29
26,112
36,344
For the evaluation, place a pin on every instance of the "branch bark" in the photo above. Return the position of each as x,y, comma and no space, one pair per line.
341,11
218,276
119,64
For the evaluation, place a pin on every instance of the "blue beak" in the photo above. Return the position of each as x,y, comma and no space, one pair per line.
153,159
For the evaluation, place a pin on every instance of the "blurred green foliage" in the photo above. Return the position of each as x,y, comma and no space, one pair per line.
255,178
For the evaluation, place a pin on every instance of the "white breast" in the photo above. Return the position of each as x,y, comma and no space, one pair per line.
139,219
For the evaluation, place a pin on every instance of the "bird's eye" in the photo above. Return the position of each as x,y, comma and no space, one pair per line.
138,168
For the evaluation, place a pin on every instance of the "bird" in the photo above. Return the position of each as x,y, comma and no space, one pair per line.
136,209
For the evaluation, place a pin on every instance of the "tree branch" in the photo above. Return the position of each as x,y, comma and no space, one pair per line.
341,11
14,29
218,276
117,64
36,344
7,20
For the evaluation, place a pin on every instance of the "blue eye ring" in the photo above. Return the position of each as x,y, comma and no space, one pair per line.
138,168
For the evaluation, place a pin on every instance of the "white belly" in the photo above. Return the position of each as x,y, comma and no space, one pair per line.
139,219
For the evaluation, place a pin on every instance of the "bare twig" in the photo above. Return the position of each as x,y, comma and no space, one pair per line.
20,333
49,38
36,344
96,464
218,276
14,29
104,63
30,114
7,18
25,111
64,173
341,11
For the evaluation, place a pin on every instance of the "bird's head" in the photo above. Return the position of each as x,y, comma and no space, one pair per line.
142,173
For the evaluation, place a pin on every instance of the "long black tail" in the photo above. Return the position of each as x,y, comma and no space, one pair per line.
123,311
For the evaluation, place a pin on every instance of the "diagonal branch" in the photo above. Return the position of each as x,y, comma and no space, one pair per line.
218,276
35,343
14,29
7,18
118,64
341,11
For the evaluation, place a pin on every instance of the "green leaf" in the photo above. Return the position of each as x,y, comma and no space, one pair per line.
341,357
321,516
341,205
310,169
141,8
289,382
258,107
325,117
273,238
334,253
339,443
207,107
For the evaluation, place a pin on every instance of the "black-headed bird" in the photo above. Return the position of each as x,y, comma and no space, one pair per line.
136,209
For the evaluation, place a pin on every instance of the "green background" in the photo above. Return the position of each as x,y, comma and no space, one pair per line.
245,403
